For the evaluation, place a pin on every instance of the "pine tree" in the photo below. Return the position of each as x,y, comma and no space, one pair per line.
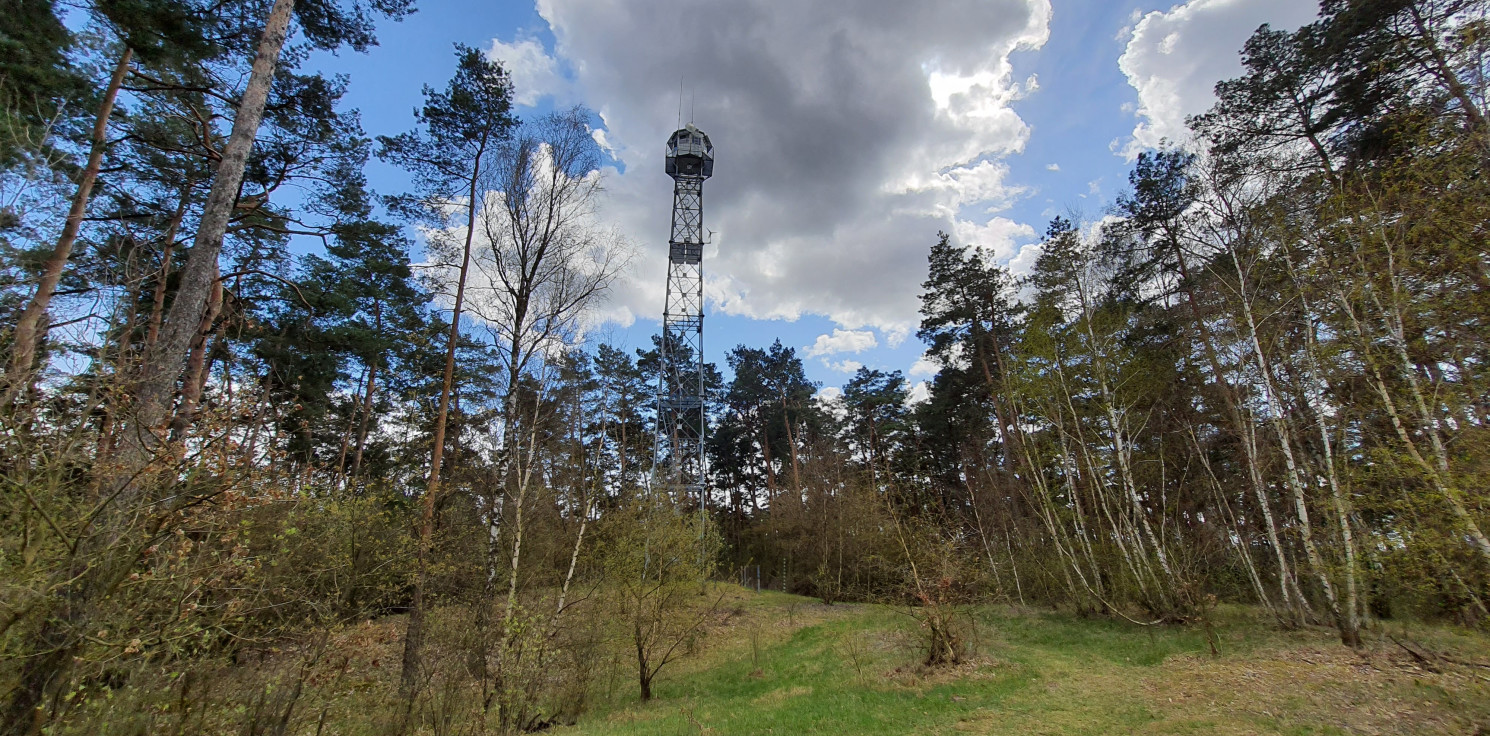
461,129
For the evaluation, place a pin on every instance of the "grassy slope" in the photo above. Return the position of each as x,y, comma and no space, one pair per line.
788,665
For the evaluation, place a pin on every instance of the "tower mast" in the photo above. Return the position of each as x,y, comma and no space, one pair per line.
678,452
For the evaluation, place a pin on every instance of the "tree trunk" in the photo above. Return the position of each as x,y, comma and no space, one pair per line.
414,635
196,363
791,442
1230,518
158,305
644,676
1435,471
524,481
367,407
58,639
1349,620
1294,475
1440,68
28,328
1122,450
162,366
346,437
1006,457
1293,606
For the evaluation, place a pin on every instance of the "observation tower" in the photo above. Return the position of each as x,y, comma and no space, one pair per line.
678,453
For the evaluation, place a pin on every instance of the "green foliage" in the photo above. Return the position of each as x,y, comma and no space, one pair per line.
1259,381
458,128
40,88
656,559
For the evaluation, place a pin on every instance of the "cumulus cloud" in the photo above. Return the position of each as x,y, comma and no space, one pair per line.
844,140
897,332
1174,59
999,237
924,368
843,366
841,341
830,399
534,73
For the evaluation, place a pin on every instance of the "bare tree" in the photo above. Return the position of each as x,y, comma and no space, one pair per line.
541,262
544,260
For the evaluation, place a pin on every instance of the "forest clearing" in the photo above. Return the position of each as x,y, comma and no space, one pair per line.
320,419
1039,672
775,663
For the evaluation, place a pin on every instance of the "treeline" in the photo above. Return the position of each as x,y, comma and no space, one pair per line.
1260,379
217,444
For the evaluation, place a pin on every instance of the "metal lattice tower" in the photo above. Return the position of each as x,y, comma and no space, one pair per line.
678,453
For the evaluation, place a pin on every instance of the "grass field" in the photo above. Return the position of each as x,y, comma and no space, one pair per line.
770,663
787,665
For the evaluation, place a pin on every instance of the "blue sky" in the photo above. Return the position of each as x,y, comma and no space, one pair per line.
844,142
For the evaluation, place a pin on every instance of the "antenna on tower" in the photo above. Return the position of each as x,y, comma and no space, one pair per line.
680,103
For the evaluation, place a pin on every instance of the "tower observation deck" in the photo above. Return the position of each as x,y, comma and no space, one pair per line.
678,453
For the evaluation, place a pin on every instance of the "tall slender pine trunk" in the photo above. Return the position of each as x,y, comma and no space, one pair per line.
29,327
414,634
365,420
194,382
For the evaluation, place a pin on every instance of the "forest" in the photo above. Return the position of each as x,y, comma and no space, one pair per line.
1259,382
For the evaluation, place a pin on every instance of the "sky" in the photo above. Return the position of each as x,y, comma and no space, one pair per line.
846,136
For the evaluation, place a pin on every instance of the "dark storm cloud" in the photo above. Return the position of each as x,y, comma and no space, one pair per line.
845,134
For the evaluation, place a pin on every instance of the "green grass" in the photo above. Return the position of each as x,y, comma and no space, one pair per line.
769,663
805,680
787,665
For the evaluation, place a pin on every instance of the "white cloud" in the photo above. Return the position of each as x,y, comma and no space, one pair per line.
1127,30
830,399
599,135
1052,167
841,341
843,366
534,73
1023,264
923,367
919,394
844,140
896,332
999,237
1174,59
